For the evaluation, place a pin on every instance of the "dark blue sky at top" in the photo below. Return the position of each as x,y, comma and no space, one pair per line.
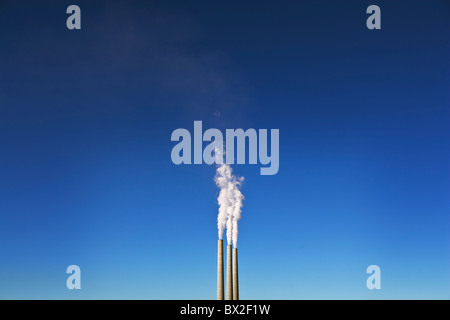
86,176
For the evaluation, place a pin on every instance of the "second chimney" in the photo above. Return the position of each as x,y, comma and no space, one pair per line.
229,295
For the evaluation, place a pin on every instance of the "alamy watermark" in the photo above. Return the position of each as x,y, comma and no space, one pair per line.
74,280
235,139
374,281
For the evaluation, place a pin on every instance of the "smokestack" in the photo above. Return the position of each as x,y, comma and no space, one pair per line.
220,288
229,274
235,275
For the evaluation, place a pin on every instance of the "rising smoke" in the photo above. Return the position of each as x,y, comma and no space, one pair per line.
230,201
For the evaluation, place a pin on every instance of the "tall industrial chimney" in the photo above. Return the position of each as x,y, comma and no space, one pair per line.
220,288
235,275
229,274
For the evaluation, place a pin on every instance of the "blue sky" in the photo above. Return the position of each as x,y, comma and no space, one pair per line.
86,176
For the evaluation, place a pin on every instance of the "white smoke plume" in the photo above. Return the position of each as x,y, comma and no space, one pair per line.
223,175
238,198
230,201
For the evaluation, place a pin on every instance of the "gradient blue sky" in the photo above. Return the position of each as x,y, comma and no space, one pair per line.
86,176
